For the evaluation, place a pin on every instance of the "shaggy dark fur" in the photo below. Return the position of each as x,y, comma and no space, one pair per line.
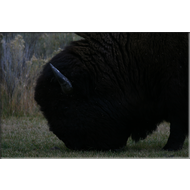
124,84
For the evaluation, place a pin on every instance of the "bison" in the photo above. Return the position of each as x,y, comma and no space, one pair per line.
106,87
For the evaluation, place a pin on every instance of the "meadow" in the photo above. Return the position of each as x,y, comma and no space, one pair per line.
24,131
29,137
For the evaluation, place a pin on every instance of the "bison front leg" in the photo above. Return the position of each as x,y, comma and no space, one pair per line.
177,135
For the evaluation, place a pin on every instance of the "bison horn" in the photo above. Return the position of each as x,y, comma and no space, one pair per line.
65,84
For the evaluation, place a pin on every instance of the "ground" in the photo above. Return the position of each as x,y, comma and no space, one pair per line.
29,137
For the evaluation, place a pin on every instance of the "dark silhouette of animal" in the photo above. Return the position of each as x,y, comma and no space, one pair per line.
103,89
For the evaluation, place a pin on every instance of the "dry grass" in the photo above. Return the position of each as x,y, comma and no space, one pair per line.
29,137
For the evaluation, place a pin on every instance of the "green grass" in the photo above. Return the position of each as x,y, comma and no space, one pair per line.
29,137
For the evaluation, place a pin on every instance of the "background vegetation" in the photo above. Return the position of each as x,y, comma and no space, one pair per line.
22,58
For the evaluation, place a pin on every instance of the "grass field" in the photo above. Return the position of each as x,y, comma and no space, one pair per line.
29,137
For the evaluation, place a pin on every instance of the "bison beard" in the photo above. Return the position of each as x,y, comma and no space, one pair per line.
115,85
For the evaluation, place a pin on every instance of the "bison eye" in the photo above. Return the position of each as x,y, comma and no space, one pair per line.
65,84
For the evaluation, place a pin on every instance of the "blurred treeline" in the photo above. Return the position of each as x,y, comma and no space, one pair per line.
22,56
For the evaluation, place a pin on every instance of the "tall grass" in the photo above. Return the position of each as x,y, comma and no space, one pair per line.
22,58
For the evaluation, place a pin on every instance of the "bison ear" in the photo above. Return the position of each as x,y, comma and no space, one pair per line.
65,84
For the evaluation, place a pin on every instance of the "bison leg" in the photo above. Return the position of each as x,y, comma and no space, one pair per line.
177,135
